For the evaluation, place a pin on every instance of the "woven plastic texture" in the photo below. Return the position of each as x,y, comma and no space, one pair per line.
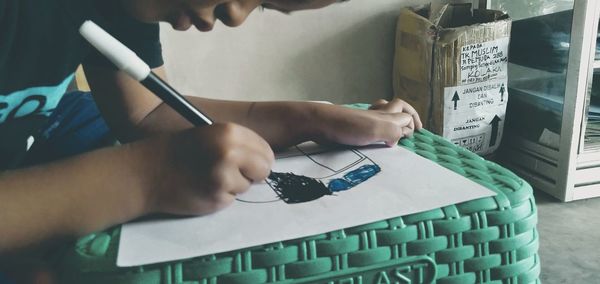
489,240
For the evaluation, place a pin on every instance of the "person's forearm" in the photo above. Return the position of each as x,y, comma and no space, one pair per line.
70,198
282,124
133,112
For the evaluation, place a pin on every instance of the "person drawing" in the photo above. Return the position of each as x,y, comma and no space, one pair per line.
62,175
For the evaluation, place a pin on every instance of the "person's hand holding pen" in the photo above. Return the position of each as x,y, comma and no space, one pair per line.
200,170
196,171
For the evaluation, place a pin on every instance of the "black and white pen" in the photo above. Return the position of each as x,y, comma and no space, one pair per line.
126,60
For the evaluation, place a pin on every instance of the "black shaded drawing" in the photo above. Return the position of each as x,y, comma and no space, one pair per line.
291,187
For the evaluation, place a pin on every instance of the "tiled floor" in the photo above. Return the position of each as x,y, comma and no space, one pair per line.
569,240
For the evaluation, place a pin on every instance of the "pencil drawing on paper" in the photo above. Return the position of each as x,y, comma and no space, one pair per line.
343,171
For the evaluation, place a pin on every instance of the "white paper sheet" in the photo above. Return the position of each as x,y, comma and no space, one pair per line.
384,183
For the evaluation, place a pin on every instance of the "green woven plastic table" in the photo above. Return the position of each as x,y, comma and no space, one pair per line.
489,240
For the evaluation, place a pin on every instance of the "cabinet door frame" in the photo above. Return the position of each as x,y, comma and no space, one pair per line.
583,42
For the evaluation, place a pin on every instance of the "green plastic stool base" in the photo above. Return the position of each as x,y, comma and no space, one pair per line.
489,240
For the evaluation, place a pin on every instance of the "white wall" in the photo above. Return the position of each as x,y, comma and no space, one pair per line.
342,54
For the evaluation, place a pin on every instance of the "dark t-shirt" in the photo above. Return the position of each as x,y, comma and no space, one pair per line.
40,48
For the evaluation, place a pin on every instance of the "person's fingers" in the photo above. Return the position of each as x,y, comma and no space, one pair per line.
388,106
259,145
220,201
252,155
228,179
376,105
242,157
256,166
399,105
418,122
407,108
394,129
218,194
241,184
248,164
257,162
409,130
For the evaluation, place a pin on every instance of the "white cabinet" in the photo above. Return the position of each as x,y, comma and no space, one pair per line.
552,136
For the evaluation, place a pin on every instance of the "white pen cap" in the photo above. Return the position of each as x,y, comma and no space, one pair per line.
114,50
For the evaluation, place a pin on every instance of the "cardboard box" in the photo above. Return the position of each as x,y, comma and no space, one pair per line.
451,65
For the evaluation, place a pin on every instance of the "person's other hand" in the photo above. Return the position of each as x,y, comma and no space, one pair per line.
385,121
398,105
201,170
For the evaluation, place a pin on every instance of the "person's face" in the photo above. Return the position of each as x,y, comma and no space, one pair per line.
202,14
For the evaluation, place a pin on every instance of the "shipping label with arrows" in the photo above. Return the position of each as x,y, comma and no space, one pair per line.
474,111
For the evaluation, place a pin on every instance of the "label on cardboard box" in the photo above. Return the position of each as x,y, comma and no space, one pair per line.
474,115
484,61
474,111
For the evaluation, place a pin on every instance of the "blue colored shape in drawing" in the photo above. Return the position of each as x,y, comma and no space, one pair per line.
353,178
361,174
339,184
